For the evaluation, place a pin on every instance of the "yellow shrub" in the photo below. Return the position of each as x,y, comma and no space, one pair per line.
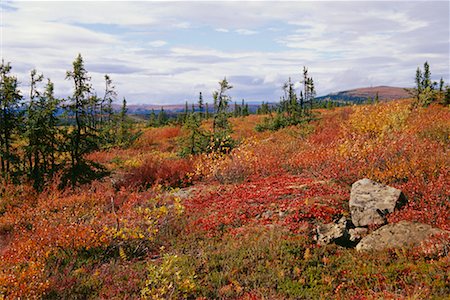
377,120
228,167
169,279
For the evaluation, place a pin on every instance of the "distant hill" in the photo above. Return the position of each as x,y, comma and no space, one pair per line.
385,93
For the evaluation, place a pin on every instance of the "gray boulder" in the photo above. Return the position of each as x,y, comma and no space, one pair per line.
402,234
370,202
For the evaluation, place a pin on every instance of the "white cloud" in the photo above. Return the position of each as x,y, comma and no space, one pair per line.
222,30
157,43
183,25
345,44
245,31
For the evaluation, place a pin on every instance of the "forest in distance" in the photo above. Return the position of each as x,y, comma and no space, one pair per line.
216,200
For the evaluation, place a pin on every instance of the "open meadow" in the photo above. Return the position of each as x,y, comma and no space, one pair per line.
236,225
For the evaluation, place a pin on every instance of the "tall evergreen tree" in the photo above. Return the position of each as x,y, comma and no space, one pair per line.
106,108
186,111
236,111
162,117
418,81
305,85
426,80
82,139
51,104
32,133
206,111
221,135
124,129
425,92
441,85
152,121
10,120
309,91
94,113
104,116
245,110
446,99
292,109
220,122
42,132
197,140
200,105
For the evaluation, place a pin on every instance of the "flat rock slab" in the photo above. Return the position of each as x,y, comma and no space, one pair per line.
370,202
402,234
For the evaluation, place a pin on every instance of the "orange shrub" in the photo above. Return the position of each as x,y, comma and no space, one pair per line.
162,139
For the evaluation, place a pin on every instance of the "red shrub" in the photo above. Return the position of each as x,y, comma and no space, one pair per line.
285,199
167,172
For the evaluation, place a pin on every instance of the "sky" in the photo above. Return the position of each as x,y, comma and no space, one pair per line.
166,52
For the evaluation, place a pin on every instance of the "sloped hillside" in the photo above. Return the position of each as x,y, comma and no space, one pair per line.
236,226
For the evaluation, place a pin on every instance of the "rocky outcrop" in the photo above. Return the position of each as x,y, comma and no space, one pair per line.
402,234
370,202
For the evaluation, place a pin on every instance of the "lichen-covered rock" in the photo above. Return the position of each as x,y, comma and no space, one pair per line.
370,202
402,234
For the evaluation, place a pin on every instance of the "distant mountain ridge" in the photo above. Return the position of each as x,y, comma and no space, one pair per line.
358,95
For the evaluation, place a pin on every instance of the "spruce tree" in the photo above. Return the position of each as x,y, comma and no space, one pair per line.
82,139
222,99
125,126
200,105
222,141
426,80
197,140
10,121
106,109
424,92
162,117
236,112
186,112
42,132
206,111
245,110
152,122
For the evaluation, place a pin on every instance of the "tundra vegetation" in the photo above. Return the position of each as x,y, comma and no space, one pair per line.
214,203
